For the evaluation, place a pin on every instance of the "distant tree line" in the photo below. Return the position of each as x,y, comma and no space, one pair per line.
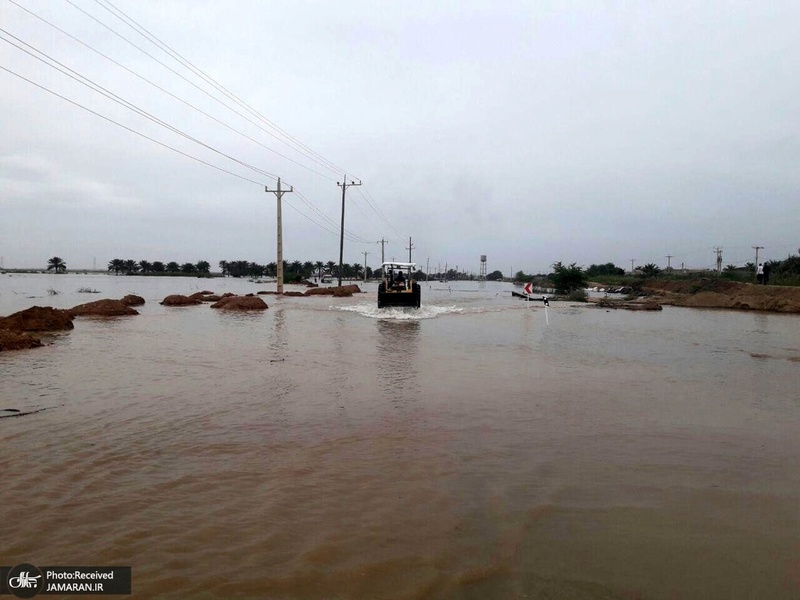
782,272
292,271
145,267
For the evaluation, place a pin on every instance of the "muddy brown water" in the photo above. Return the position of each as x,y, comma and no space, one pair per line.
476,448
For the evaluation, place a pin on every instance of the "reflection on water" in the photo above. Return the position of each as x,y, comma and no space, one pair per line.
473,449
397,358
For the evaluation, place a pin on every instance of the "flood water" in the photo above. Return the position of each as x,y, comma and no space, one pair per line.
477,448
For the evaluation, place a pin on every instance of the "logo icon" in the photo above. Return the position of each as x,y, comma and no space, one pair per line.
25,581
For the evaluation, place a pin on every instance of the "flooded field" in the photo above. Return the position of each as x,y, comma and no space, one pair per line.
476,448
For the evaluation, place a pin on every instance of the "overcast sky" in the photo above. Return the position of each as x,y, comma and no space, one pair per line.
531,132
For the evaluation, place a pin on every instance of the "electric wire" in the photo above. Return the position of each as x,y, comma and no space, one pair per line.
348,235
199,160
310,153
142,135
103,91
245,117
364,214
62,68
372,205
167,92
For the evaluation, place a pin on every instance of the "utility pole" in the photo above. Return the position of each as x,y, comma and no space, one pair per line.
428,269
757,248
718,250
410,248
382,242
633,259
279,194
365,266
669,258
344,185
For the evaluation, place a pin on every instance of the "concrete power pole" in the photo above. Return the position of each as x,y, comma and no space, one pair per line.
757,248
633,259
718,251
279,194
382,242
669,258
365,266
344,185
410,248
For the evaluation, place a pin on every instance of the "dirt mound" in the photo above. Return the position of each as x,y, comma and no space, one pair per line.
241,303
38,318
720,293
179,300
17,340
102,308
205,297
132,300
338,291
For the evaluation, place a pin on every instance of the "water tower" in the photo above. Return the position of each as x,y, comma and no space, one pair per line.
482,276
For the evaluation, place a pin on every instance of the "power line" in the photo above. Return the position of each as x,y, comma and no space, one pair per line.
142,50
348,235
170,94
147,137
377,211
306,151
351,237
285,138
62,68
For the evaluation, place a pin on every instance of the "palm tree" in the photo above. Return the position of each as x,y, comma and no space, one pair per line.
272,269
650,270
203,266
158,267
223,266
188,268
146,266
56,264
173,267
116,265
131,267
319,264
256,270
238,268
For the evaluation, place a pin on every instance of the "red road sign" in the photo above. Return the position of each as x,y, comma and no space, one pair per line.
529,288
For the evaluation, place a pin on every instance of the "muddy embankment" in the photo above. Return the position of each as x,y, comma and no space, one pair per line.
718,293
